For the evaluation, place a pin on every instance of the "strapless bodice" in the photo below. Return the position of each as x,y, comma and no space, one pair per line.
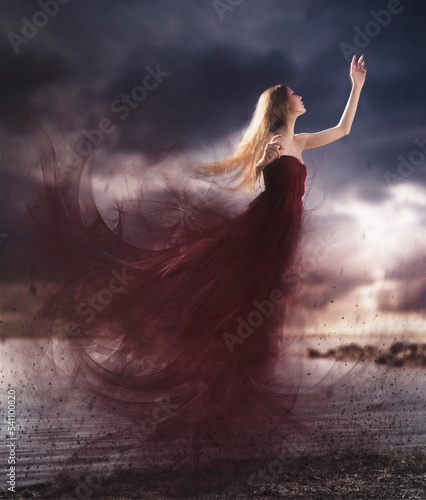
285,173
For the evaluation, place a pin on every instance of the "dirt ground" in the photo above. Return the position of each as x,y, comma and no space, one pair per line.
388,476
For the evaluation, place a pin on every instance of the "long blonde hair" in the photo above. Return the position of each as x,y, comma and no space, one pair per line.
269,115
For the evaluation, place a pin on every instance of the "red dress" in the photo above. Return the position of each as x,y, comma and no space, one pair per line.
198,324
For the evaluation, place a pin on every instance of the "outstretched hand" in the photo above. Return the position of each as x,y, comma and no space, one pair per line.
358,71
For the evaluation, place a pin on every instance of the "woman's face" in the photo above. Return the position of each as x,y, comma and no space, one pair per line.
294,104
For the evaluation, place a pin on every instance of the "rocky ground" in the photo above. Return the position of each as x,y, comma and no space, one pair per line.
389,476
399,354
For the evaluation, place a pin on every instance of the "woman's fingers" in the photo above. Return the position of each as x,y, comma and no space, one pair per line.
274,150
274,141
273,146
358,64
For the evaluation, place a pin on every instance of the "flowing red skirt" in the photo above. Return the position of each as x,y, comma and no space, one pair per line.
188,329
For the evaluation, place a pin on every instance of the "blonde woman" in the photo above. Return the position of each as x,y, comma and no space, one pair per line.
189,334
270,133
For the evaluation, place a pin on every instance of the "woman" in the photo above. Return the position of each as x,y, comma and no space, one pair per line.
275,116
195,327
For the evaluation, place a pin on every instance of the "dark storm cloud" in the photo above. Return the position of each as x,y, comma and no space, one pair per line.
91,53
218,66
206,96
407,289
407,297
22,76
411,268
327,286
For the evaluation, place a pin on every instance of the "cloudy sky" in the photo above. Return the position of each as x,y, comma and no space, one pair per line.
86,63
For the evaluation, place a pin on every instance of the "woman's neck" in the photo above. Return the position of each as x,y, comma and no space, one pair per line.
287,130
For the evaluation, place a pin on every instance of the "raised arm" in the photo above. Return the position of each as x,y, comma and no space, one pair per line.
315,140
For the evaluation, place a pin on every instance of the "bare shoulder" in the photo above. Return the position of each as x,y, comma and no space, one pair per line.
300,140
